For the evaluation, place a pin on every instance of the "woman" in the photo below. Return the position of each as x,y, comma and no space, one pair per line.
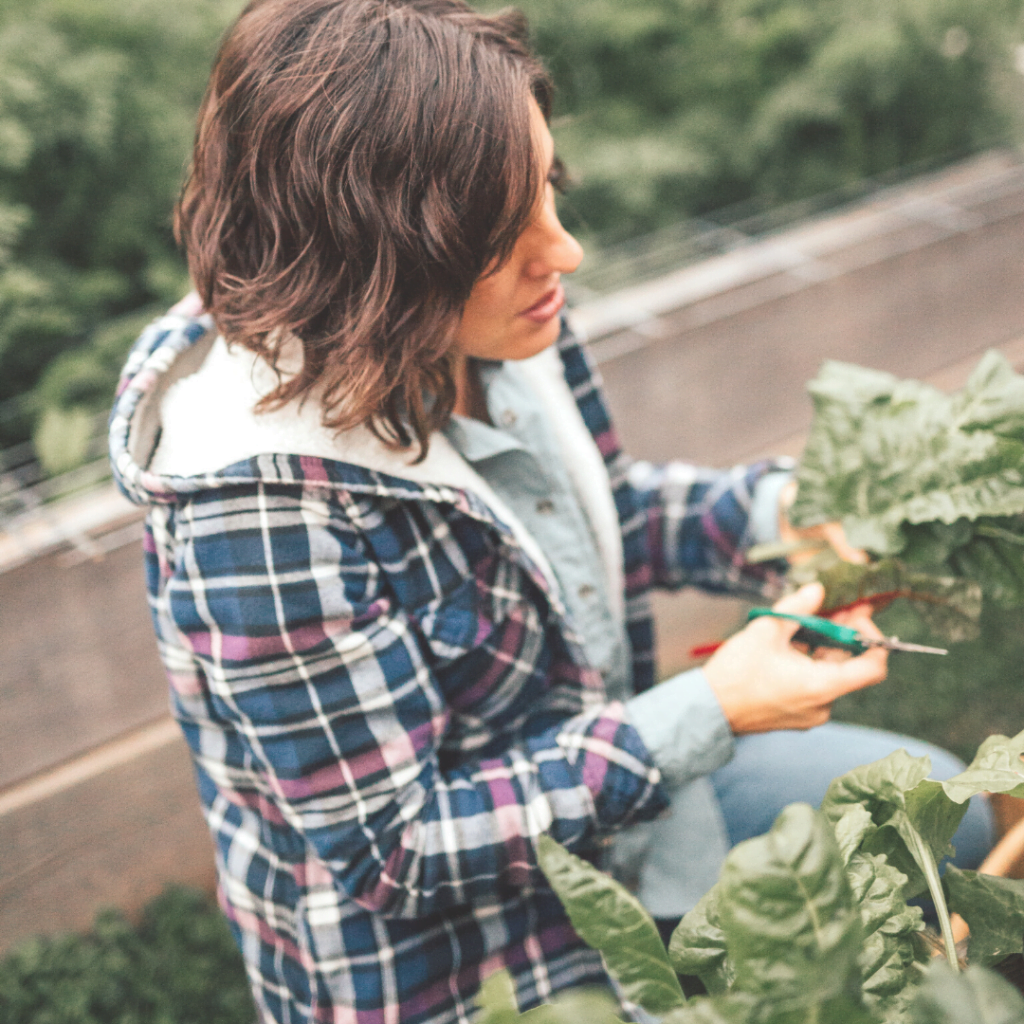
398,564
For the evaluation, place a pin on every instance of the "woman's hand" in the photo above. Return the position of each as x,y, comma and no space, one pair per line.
763,682
831,533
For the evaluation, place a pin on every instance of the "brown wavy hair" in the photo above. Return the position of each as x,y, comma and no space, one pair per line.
358,165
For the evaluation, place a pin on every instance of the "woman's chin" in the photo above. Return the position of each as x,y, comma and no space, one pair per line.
533,342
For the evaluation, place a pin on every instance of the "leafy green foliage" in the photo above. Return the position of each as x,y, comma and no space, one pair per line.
904,808
97,104
180,966
997,768
737,1008
699,946
912,822
497,1003
955,701
782,914
809,923
497,999
890,948
933,478
988,548
781,937
787,912
671,108
950,607
612,920
994,911
976,995
885,452
875,958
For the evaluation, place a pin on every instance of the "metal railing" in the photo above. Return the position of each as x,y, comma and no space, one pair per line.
29,495
686,242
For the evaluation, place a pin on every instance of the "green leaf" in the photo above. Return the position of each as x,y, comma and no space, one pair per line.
993,909
915,821
851,828
497,1004
987,549
976,996
950,607
885,454
576,1006
902,804
612,920
993,398
933,815
734,1008
890,951
739,1008
497,1000
997,768
697,946
880,787
787,912
772,551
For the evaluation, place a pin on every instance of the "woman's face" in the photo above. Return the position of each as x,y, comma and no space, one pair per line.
513,312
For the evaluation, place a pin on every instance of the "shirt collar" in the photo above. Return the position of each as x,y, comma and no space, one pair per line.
473,439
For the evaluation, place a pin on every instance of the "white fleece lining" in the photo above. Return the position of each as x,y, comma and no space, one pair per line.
208,422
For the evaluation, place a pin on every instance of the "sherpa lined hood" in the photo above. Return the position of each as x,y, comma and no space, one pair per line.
184,422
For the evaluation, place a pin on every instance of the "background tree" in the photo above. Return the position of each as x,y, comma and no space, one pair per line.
97,102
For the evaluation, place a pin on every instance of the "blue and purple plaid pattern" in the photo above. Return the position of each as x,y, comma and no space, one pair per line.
386,706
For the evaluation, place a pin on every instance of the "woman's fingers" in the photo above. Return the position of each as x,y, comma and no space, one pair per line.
805,601
852,674
836,537
859,617
832,533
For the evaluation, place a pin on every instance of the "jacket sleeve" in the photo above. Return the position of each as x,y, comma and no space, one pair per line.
329,719
700,522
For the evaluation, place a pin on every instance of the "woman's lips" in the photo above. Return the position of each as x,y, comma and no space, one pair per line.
548,306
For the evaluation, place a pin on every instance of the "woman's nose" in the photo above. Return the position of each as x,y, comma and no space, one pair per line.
553,249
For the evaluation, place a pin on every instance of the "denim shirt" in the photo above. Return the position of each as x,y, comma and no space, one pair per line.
680,721
521,460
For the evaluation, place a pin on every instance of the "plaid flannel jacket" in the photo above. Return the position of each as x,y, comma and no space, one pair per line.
386,705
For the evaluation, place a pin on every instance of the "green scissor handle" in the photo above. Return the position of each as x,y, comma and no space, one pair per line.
816,631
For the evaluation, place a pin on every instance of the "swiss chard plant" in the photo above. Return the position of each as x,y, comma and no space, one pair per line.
929,484
810,924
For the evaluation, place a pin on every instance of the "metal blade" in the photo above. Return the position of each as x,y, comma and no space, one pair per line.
894,643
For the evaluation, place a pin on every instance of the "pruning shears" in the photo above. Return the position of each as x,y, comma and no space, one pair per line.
818,632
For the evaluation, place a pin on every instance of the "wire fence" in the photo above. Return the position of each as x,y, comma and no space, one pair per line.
30,496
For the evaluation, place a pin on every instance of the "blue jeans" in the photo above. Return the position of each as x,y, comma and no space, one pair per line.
770,770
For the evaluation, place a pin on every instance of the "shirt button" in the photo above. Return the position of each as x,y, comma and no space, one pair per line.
508,418
545,506
586,590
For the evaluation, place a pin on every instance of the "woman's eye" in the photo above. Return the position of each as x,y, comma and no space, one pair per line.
558,176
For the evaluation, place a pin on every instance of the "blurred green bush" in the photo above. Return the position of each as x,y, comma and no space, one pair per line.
97,104
180,965
670,108
666,109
